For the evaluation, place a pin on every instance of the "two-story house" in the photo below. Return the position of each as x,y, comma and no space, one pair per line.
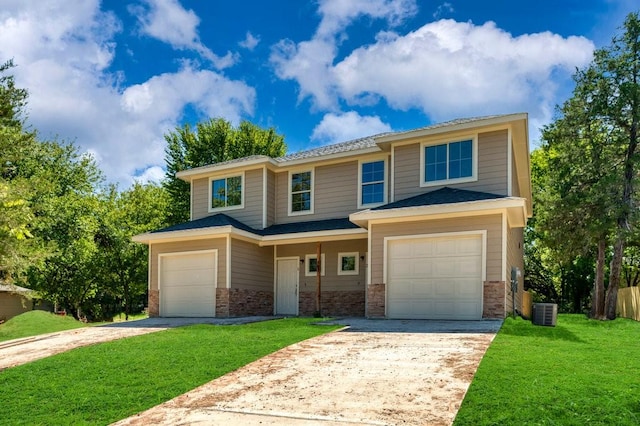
426,223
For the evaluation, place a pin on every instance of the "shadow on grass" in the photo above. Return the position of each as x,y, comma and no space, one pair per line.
526,329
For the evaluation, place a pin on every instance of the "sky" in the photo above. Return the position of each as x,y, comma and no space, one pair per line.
115,76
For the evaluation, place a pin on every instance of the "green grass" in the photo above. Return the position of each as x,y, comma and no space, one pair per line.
36,322
103,383
581,372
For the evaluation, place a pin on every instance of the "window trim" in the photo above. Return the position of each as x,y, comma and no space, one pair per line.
355,255
290,195
210,207
474,161
307,258
385,160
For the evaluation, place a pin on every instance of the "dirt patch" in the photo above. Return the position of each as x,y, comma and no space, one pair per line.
339,378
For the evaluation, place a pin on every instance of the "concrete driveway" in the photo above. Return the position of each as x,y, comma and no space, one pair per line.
374,372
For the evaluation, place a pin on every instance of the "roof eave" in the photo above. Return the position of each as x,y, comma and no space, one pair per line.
516,207
190,174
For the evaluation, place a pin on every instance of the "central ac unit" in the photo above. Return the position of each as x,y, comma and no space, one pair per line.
545,314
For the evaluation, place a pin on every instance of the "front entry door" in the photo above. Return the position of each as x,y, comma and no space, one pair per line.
287,286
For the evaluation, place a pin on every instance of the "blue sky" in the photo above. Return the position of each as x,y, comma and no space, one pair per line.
115,75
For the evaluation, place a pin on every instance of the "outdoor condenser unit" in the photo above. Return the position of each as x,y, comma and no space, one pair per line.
545,314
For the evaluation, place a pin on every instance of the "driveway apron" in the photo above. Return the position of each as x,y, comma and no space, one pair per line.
372,372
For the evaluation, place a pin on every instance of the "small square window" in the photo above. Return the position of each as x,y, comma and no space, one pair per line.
311,265
348,263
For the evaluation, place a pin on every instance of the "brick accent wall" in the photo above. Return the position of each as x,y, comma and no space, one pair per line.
494,298
154,303
222,302
375,301
334,303
244,302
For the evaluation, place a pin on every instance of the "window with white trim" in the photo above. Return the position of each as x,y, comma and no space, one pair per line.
226,193
451,161
311,265
301,192
348,264
372,187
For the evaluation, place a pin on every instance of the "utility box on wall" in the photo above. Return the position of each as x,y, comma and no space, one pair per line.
545,314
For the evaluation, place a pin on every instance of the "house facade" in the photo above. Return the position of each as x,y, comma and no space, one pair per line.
424,224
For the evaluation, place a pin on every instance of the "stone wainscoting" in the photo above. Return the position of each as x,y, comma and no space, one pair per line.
334,303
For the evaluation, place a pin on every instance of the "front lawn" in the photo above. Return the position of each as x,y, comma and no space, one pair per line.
579,372
103,383
36,322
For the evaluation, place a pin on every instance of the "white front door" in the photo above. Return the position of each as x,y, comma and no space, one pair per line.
287,286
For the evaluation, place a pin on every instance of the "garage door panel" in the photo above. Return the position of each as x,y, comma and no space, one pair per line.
435,278
187,285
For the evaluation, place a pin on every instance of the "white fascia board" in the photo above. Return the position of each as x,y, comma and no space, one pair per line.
318,236
188,175
193,234
469,125
362,218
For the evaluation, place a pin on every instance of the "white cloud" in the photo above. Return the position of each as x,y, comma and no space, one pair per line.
347,126
168,21
311,62
63,51
250,42
153,174
443,9
448,68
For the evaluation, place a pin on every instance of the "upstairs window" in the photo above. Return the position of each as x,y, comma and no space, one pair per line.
452,161
372,187
301,192
226,193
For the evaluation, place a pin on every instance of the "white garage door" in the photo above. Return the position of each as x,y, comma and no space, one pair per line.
435,278
187,284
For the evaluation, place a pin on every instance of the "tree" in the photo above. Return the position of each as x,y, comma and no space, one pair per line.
212,141
12,99
139,209
592,152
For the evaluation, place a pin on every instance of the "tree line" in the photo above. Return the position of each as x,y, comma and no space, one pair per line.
583,243
66,233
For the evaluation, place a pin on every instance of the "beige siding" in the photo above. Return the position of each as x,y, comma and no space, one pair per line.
12,304
515,188
251,266
184,246
271,198
200,198
331,281
515,257
492,167
251,214
492,224
335,193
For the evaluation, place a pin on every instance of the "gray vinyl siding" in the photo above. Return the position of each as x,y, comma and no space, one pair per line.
491,223
331,281
492,168
219,244
251,266
335,191
515,257
271,198
251,214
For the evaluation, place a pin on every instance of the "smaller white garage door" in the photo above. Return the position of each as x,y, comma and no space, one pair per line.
435,277
187,284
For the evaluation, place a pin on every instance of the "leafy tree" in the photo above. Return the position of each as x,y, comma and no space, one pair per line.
124,263
591,149
212,141
12,98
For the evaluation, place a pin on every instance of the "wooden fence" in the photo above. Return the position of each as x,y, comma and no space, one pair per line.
526,304
629,303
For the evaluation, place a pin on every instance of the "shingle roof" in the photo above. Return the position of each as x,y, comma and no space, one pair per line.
313,226
444,195
14,289
352,145
221,219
